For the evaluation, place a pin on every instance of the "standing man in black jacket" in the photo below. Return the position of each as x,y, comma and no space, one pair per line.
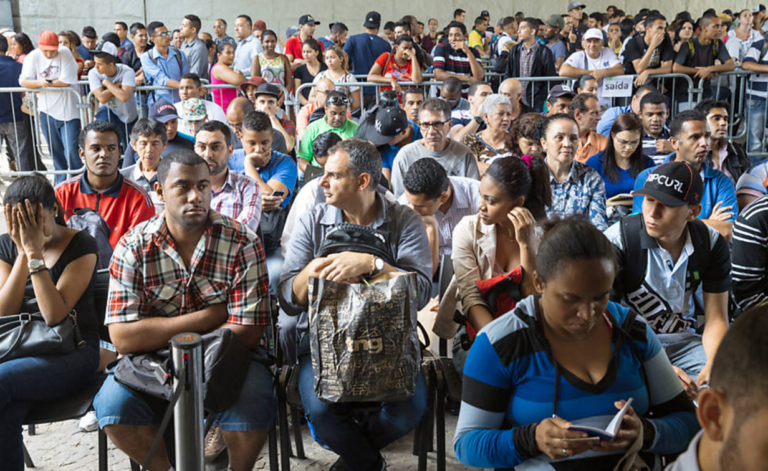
531,59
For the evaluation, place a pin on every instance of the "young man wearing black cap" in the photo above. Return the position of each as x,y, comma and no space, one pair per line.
307,25
265,100
363,49
388,130
550,30
689,137
664,254
112,84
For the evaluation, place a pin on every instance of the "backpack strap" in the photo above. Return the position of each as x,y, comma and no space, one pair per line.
633,260
699,259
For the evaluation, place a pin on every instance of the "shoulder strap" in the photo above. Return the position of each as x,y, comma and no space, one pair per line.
178,58
699,259
690,48
386,64
632,273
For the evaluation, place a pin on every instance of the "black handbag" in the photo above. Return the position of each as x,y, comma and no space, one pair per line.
27,335
347,237
225,365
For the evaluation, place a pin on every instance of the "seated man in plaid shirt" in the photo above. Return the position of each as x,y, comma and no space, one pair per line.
189,269
234,194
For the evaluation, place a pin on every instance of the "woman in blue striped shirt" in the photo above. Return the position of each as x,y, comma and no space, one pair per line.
566,355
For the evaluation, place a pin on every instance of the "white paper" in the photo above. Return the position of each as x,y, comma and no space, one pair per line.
620,86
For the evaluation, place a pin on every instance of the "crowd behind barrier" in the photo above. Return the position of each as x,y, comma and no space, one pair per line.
476,212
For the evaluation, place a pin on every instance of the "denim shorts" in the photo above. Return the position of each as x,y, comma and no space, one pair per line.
254,409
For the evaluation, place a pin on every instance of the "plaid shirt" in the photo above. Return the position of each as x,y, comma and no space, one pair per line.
149,279
240,199
527,57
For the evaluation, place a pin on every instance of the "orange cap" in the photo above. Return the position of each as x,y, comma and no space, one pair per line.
48,41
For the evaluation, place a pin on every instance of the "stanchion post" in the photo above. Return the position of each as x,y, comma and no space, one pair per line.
187,354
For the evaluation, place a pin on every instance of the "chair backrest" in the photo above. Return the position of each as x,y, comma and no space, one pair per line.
100,295
446,273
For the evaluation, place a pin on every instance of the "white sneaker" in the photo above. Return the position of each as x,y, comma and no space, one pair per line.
89,422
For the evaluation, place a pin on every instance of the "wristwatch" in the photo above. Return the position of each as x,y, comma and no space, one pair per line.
35,264
478,119
377,264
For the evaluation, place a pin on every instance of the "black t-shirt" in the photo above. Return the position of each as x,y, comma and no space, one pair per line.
637,47
81,244
703,56
303,74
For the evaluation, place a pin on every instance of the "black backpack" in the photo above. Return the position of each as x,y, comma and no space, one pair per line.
86,219
347,237
633,261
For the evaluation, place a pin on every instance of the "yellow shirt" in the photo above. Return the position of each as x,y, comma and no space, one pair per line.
476,40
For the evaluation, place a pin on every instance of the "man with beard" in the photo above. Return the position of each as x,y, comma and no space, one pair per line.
234,195
119,201
732,411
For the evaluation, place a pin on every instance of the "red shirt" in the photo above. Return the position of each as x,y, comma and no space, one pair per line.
401,74
122,206
293,47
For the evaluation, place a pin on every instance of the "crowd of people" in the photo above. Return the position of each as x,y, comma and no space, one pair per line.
217,198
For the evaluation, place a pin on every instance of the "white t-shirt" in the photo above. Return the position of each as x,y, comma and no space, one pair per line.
349,78
503,40
60,103
606,60
214,112
126,111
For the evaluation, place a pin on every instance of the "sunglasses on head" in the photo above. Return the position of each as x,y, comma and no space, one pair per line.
338,100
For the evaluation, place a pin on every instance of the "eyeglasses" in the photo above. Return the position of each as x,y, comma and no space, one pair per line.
338,101
435,125
323,92
164,34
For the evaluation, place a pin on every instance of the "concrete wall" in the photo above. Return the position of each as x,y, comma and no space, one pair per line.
35,16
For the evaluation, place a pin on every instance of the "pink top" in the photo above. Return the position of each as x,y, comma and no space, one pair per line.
222,96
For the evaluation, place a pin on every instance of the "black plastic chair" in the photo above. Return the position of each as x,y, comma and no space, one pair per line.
75,405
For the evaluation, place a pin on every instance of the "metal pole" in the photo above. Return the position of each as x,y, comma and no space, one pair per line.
187,351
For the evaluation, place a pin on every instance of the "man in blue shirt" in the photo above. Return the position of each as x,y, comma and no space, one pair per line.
363,49
163,65
89,38
14,124
276,175
690,140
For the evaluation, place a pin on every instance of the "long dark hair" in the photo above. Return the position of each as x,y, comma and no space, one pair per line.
316,46
625,122
527,177
26,44
679,28
37,189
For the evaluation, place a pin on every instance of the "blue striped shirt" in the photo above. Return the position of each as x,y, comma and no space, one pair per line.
509,382
758,85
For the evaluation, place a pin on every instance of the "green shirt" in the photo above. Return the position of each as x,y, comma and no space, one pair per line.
318,127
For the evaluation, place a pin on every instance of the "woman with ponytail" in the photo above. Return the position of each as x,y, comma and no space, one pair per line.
514,196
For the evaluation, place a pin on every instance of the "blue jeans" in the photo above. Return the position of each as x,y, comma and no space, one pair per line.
254,409
756,124
685,351
124,129
274,268
62,142
37,379
358,443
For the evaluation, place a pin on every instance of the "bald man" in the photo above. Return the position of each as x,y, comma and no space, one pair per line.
236,111
513,89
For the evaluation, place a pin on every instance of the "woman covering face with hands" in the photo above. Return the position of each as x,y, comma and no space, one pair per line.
48,268
564,355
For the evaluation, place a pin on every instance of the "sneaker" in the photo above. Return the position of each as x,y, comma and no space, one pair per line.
89,422
214,443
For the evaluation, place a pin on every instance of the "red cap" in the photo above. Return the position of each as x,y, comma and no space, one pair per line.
259,25
48,41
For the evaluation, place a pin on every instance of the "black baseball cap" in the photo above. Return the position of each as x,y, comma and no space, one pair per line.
268,89
372,19
163,111
673,184
560,90
308,20
389,122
